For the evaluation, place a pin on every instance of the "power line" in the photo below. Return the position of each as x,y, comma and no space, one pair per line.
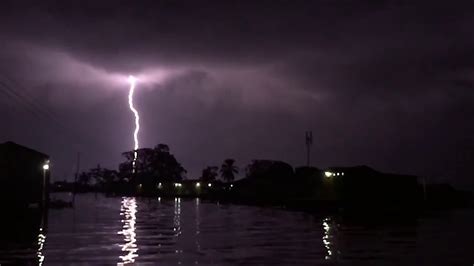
40,112
29,98
13,97
30,103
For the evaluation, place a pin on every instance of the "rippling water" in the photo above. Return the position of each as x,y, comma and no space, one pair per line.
104,230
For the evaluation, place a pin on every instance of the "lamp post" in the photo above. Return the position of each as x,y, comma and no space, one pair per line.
45,169
309,142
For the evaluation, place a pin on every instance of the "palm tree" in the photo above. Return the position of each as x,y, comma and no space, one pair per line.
209,174
228,169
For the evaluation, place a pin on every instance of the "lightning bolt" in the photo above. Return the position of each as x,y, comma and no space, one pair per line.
132,80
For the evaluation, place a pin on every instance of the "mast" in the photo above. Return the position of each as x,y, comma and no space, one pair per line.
76,176
309,142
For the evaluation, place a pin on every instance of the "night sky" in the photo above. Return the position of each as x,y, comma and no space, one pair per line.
389,85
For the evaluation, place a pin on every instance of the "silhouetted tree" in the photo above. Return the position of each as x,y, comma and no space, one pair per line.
144,156
228,169
103,176
162,148
109,176
152,165
270,169
84,179
209,173
96,173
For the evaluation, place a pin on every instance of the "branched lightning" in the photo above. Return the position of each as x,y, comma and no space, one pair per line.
132,80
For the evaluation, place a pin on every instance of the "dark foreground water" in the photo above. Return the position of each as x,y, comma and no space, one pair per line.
113,231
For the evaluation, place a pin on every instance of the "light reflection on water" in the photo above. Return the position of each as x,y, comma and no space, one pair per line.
191,231
330,234
177,221
177,216
128,211
41,241
327,237
198,224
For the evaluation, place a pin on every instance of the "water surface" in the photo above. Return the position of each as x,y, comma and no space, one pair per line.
101,230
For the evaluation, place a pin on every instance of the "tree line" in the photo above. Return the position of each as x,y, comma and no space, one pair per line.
152,165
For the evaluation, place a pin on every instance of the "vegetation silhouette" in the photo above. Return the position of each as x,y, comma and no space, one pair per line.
156,164
158,173
209,174
153,165
229,170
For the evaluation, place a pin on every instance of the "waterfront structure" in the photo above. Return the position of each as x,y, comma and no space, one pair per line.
24,175
362,183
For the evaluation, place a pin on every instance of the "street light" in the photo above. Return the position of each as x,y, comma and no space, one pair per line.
45,168
328,174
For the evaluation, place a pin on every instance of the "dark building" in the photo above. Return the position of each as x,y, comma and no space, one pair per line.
24,175
269,169
266,180
362,183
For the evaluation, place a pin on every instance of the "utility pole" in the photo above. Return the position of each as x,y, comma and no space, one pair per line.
424,188
45,183
76,177
309,142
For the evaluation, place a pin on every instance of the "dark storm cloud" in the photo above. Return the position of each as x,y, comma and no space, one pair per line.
387,84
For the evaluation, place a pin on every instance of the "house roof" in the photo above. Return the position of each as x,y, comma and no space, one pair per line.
358,168
10,145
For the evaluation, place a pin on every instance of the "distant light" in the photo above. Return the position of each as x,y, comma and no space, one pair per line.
159,199
160,185
140,185
328,174
198,184
231,185
209,185
177,184
342,173
337,174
